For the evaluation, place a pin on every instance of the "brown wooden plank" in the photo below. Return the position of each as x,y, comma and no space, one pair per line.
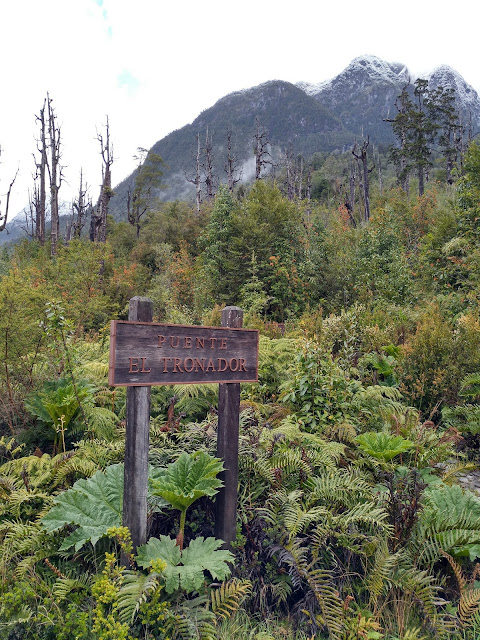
227,445
137,443
144,354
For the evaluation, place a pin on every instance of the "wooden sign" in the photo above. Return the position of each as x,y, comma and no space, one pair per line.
146,354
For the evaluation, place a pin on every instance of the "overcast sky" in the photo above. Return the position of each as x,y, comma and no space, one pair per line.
153,65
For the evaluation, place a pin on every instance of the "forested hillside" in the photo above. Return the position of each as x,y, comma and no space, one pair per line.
295,121
358,497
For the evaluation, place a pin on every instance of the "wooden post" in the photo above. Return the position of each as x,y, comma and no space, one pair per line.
137,442
227,445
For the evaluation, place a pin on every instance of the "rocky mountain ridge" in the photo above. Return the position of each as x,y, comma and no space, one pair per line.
305,118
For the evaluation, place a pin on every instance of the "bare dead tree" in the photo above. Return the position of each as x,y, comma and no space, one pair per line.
261,150
360,153
30,216
39,199
147,182
231,164
207,166
299,177
55,174
81,207
308,183
98,223
289,174
4,214
196,179
352,183
348,208
376,156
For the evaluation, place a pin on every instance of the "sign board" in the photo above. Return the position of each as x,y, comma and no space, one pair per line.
147,353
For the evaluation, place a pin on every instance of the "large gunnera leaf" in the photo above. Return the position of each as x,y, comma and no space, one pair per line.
95,504
190,477
383,446
185,569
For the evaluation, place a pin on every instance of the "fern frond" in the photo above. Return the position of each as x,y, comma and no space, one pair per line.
451,472
101,421
420,584
341,487
134,591
74,467
290,461
381,572
63,587
469,605
227,598
260,466
342,432
95,371
364,516
320,581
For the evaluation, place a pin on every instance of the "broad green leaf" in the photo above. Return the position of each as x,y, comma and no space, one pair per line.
95,504
163,548
185,570
383,446
190,477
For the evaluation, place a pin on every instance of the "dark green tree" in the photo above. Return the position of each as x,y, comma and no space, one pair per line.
266,225
443,110
218,256
427,121
415,131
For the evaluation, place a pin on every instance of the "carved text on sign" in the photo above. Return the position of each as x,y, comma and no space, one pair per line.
145,354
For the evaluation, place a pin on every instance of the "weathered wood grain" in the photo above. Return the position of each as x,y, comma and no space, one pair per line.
153,353
136,443
227,445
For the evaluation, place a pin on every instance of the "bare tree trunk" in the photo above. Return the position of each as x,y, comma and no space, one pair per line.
299,178
80,208
289,184
261,151
40,194
98,227
351,182
30,216
208,166
196,180
362,157
421,181
380,175
231,164
4,215
308,186
55,174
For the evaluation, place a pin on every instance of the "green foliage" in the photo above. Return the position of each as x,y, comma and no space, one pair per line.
332,531
187,479
106,590
266,230
449,523
319,391
383,446
95,505
185,568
